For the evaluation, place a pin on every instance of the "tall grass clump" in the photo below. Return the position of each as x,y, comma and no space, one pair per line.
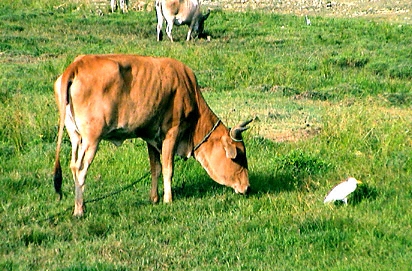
298,168
366,138
27,121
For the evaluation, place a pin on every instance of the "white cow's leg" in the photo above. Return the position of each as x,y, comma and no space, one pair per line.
169,27
189,33
85,157
155,169
159,16
123,6
113,5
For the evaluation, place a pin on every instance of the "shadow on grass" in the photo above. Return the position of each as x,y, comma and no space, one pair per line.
202,186
273,183
363,192
259,183
199,188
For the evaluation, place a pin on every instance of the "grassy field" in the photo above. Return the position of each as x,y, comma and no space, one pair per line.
332,100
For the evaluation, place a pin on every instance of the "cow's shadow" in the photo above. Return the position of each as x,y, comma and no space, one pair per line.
202,185
261,182
195,187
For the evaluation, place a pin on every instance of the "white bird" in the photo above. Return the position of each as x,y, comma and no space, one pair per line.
342,190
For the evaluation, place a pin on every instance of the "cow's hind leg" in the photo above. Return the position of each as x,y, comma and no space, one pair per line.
159,16
75,141
87,151
123,5
155,169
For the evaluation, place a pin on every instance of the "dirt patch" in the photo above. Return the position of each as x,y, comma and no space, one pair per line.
399,11
293,135
389,10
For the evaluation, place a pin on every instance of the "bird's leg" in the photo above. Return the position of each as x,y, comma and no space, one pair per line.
345,200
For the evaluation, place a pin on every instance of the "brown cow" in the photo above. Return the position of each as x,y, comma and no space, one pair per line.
116,97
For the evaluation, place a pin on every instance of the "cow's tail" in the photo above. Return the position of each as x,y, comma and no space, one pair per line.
61,88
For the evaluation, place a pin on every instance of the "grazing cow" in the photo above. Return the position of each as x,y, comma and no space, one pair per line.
180,12
116,97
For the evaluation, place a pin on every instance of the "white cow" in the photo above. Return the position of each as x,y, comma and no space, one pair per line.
180,12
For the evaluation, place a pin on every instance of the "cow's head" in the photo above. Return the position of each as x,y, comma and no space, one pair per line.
223,156
199,23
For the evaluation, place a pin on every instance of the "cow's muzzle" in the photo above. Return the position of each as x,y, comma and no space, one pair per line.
241,189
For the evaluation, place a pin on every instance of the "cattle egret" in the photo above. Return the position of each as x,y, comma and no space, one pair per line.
342,190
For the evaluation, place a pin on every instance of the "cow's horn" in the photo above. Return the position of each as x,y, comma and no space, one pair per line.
236,132
206,14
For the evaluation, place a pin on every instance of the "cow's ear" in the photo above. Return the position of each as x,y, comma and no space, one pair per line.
229,147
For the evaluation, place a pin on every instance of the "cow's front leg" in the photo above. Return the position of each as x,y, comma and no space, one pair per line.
169,27
155,169
189,33
167,181
168,149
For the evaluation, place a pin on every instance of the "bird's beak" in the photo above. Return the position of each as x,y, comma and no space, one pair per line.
358,182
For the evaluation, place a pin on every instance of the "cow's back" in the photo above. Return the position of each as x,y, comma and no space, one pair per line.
124,95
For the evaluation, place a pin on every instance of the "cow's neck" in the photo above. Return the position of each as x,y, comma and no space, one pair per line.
206,125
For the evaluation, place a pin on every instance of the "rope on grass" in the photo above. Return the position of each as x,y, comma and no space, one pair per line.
28,221
108,195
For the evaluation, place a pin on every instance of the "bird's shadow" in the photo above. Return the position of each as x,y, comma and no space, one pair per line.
363,192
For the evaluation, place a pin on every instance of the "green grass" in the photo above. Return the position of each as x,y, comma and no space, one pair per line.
332,100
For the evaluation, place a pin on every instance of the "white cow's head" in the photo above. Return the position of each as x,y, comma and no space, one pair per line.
199,23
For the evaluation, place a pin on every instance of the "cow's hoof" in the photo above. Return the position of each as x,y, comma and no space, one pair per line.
78,210
154,199
78,214
167,199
